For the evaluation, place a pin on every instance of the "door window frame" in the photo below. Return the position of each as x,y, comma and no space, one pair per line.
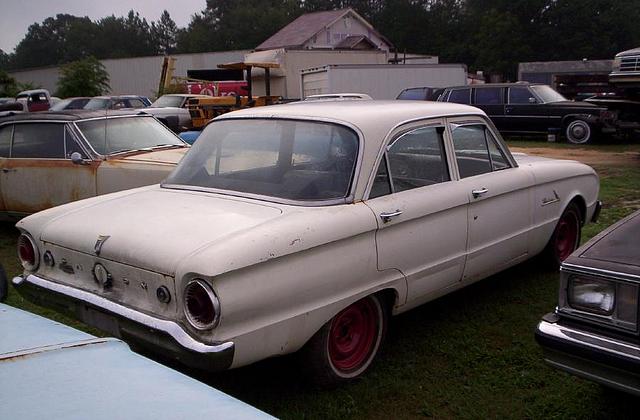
394,136
476,120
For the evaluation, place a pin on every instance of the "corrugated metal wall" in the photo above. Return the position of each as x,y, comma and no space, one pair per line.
139,75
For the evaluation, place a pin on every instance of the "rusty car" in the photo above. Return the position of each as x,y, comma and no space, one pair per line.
51,158
304,227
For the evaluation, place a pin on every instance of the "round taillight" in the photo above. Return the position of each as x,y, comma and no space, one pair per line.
201,305
27,252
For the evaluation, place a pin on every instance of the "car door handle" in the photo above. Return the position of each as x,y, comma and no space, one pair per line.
478,193
389,215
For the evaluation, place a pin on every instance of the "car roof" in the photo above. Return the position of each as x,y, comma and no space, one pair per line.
488,85
67,115
359,113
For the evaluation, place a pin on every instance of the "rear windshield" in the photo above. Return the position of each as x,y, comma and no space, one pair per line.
98,103
287,159
166,101
114,135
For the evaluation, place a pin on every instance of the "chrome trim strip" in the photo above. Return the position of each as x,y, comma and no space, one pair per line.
168,327
590,340
53,347
591,271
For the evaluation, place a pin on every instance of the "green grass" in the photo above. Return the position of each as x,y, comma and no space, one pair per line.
469,355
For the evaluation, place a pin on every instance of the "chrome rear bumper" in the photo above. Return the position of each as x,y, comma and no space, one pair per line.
609,361
160,336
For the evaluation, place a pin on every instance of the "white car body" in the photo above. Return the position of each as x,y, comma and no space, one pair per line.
283,268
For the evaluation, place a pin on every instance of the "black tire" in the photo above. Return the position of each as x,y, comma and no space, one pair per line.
4,284
565,238
346,346
578,132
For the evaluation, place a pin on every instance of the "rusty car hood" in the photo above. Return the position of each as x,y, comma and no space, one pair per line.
142,236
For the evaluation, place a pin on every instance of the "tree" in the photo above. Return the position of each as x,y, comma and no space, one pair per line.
164,33
86,77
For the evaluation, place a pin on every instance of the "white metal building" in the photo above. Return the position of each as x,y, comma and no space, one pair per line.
139,75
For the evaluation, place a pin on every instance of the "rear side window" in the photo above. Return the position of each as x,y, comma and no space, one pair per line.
476,150
5,140
489,96
460,96
42,140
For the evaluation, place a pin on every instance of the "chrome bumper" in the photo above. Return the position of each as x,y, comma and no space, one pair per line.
157,335
611,362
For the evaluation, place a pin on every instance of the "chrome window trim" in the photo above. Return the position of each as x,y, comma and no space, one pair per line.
399,131
349,198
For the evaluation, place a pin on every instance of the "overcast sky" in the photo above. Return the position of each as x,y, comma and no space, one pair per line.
17,15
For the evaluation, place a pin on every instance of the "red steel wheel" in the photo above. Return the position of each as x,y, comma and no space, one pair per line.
346,345
566,236
353,335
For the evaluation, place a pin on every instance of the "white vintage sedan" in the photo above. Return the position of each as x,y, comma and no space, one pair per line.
304,227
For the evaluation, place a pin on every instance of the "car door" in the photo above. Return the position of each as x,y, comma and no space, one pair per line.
39,172
421,211
524,112
491,101
499,192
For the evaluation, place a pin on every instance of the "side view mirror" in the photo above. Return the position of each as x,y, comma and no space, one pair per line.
77,159
533,101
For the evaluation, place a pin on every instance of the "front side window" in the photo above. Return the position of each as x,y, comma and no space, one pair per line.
38,141
489,96
286,159
114,135
521,95
476,150
460,96
416,159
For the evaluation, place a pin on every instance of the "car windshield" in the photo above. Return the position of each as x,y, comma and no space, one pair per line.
547,94
98,103
286,159
113,135
166,100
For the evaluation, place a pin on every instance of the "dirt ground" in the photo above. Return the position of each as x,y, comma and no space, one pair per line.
588,156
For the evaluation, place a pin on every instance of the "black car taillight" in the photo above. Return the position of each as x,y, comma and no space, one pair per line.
28,253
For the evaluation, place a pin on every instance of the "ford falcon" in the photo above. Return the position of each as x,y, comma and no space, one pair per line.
304,227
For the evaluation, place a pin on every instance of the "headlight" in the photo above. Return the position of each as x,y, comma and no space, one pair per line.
617,62
592,295
201,305
611,301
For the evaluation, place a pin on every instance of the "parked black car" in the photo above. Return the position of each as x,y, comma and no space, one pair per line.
524,108
593,332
